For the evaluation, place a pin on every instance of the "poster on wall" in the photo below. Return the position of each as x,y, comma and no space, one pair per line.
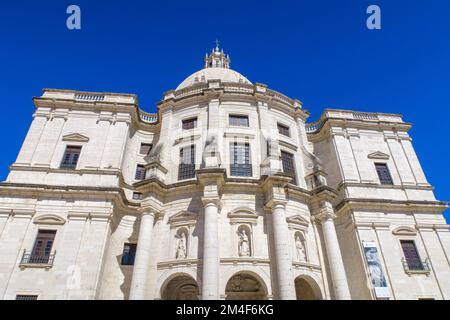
378,280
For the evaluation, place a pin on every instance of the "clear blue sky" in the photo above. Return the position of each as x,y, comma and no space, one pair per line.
317,51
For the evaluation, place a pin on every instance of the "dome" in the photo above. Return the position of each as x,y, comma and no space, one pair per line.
222,74
217,67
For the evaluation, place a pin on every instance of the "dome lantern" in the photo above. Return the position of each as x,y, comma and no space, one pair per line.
217,58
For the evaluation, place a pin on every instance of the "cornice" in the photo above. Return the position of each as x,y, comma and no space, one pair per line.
372,204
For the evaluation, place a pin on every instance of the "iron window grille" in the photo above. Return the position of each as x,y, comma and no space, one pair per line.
189,124
239,121
186,168
411,260
145,148
31,258
287,160
140,172
383,173
26,297
284,130
240,160
71,157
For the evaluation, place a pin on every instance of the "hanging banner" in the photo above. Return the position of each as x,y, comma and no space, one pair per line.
377,277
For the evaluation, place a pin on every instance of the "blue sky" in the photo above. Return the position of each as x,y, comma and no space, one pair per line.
317,51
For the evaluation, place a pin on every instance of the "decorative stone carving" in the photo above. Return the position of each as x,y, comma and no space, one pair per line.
181,249
244,244
300,247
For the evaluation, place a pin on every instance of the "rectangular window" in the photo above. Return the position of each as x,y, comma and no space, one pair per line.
284,130
137,196
411,255
42,248
186,169
240,160
145,148
26,297
71,157
140,172
189,124
383,173
289,165
239,121
128,254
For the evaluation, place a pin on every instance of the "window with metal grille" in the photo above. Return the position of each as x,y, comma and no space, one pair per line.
240,160
288,165
26,297
42,248
238,120
140,172
284,130
189,123
145,148
71,157
383,173
186,168
411,255
128,254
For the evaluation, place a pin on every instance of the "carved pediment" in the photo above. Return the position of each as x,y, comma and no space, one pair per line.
379,155
183,218
404,231
243,215
49,219
297,222
76,137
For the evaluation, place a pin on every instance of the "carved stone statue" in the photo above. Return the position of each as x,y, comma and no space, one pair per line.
244,244
181,247
211,156
301,254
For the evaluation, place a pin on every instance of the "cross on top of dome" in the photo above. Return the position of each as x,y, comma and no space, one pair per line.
217,58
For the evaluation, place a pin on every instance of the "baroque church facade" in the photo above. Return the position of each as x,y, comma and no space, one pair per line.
226,193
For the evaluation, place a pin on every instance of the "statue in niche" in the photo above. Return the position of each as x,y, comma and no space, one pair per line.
301,254
244,244
181,246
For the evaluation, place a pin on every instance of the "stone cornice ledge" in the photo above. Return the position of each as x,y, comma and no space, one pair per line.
430,227
344,184
305,265
248,260
390,205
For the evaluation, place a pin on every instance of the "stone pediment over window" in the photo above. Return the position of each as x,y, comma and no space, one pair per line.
379,155
243,215
183,218
404,231
76,137
49,219
297,222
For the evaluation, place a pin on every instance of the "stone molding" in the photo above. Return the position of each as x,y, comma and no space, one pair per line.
49,219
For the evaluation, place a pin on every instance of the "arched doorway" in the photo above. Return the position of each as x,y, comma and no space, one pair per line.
245,286
307,289
181,287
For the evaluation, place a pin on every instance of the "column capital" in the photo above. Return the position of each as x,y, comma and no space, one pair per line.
272,203
151,211
212,201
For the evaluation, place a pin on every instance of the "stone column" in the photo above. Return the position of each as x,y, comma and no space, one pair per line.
210,278
335,262
142,258
286,285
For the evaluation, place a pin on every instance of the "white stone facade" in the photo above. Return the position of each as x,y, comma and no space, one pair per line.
305,233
